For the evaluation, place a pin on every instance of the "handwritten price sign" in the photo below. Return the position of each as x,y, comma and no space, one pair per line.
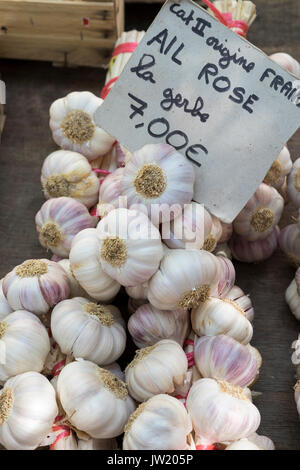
212,95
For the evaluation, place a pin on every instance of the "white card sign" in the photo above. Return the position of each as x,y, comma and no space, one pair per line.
198,86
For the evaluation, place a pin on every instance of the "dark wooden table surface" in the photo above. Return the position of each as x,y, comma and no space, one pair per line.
26,141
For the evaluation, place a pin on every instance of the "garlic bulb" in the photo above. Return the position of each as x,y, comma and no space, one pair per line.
86,266
58,221
260,215
148,325
289,242
243,444
66,173
36,285
160,423
134,304
115,369
280,168
221,317
97,444
254,252
24,342
223,358
88,330
95,400
75,288
130,246
287,62
110,193
5,308
73,126
27,411
158,174
293,184
220,412
293,299
138,292
226,232
222,249
184,280
156,369
242,300
227,279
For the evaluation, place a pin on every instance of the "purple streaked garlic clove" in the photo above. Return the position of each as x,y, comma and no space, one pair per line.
110,194
289,242
227,278
239,297
254,252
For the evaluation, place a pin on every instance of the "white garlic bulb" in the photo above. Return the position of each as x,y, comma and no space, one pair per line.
24,343
239,297
287,62
95,400
260,215
36,285
289,242
66,173
58,221
73,126
293,184
160,423
5,308
158,175
221,317
220,412
184,280
156,369
223,358
88,330
254,252
110,193
280,168
293,299
75,288
130,246
86,266
148,325
138,292
27,411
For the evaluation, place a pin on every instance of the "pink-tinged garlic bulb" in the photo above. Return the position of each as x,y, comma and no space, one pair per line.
184,280
158,174
58,221
289,242
239,297
86,267
156,369
75,288
24,343
66,173
280,168
223,358
148,325
293,184
254,252
221,317
64,438
130,246
5,308
110,193
293,299
36,285
138,292
287,62
73,126
260,215
226,232
88,330
220,412
160,423
227,279
94,399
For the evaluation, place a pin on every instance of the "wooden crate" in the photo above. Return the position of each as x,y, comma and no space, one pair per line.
65,32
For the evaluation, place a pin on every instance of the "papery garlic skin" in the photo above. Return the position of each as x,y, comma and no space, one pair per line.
24,343
86,267
184,280
36,286
223,358
58,221
156,369
160,423
280,168
289,242
75,288
88,330
227,279
287,62
261,214
138,292
158,174
243,444
220,412
293,184
254,252
69,174
130,246
221,317
239,297
110,193
5,308
95,401
293,299
27,411
148,325
73,126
